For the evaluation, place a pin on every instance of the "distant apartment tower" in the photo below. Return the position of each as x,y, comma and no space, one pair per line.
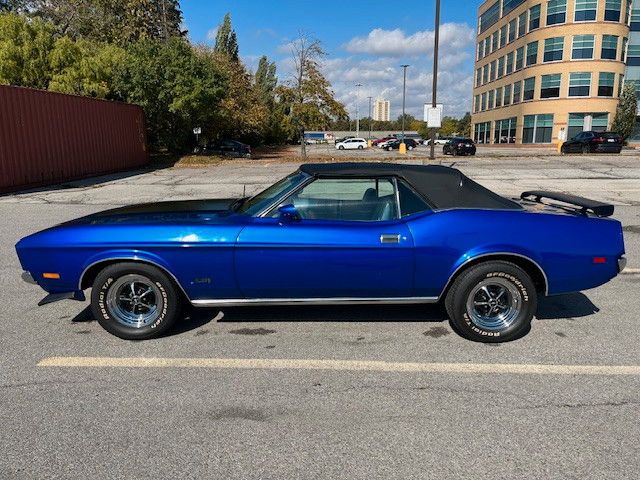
381,110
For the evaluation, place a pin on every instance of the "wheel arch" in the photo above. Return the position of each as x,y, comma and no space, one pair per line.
90,273
531,267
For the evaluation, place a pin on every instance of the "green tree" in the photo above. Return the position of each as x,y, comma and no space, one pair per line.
626,111
278,129
448,126
25,48
226,40
463,126
308,96
177,89
407,121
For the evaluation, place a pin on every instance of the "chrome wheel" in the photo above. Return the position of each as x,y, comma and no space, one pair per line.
494,304
134,301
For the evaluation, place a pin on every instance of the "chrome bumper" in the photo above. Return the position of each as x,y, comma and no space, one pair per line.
27,277
622,262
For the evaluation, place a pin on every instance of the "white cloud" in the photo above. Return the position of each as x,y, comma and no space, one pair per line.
211,34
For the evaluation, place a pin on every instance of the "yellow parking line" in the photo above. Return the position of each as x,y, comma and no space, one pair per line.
345,365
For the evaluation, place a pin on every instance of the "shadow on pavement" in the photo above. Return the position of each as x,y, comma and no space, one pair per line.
570,305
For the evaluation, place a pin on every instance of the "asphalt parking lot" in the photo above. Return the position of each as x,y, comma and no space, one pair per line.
324,392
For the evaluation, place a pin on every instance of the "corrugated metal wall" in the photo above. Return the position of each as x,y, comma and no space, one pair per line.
47,137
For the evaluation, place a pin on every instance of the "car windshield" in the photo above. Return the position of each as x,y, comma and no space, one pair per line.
263,199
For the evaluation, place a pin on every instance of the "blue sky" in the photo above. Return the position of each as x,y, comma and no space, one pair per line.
367,41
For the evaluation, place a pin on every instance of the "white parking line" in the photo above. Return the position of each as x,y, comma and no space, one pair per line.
630,271
345,365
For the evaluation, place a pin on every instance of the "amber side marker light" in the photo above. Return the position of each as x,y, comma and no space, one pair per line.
50,275
599,260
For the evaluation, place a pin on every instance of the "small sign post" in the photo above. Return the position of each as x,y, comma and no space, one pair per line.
197,131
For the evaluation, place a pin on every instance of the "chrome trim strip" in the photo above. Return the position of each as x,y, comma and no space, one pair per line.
546,281
27,277
237,302
135,259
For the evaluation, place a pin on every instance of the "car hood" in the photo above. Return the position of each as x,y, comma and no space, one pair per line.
162,212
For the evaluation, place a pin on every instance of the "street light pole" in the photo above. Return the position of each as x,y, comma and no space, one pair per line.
403,147
432,155
358,85
370,119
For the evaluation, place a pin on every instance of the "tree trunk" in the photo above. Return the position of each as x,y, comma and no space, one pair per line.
303,150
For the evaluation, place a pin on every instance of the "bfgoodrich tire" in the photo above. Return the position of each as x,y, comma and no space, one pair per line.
492,302
135,301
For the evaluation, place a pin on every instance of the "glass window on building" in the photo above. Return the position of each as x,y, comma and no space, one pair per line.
485,74
528,89
612,10
519,58
509,64
553,49
522,25
498,97
490,17
633,56
575,125
506,99
500,67
534,18
487,46
580,84
503,36
627,12
492,71
550,86
504,131
606,81
585,10
482,132
579,122
494,41
480,51
623,52
512,30
516,92
483,102
509,5
537,128
476,105
491,99
620,84
532,53
583,47
556,12
478,77
635,19
609,47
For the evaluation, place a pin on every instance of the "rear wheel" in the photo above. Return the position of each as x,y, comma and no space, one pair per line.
135,301
586,149
563,149
492,302
341,147
389,149
360,147
409,147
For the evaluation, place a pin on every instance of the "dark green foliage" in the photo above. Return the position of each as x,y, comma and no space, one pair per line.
226,41
626,111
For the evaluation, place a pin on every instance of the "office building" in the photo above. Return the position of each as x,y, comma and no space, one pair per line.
381,110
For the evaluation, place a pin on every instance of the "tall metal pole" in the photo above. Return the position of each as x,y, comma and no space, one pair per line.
370,118
432,155
404,91
358,85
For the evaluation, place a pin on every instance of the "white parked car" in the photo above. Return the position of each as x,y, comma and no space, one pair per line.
352,143
439,141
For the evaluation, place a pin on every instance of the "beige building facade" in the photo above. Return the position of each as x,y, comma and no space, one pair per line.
381,110
547,70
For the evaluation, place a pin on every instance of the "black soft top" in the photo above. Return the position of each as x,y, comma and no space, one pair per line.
442,187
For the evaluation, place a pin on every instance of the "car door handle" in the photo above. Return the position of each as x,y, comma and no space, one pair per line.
390,238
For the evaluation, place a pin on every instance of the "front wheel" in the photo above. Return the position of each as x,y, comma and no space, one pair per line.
492,302
409,147
341,147
135,301
389,149
586,149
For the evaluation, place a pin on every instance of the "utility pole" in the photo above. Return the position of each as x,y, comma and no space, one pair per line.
432,155
403,146
358,85
370,118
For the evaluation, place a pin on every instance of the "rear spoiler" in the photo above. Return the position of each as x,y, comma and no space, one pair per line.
599,208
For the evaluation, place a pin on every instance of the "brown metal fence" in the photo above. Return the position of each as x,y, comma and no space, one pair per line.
48,137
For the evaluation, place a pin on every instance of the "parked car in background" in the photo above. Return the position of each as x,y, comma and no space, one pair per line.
352,144
395,145
340,140
387,139
229,147
333,233
459,146
438,141
589,142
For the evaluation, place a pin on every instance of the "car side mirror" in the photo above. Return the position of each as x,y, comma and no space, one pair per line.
288,214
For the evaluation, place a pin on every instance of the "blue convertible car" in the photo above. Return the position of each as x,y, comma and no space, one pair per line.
330,234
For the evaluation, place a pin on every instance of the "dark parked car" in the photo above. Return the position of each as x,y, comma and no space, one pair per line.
589,142
395,145
229,147
459,146
333,233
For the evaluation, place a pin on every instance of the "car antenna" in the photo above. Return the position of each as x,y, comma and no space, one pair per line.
244,191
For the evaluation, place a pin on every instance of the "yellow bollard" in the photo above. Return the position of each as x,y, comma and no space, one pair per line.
403,149
369,143
560,146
